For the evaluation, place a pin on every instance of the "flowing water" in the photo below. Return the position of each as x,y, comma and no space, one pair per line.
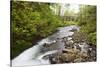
47,46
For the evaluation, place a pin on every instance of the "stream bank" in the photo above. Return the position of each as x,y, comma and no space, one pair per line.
75,51
64,46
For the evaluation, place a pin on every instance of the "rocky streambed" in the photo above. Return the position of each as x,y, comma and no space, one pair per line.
68,45
76,48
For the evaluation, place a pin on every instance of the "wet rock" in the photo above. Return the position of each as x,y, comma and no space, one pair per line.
68,57
78,60
73,30
56,59
76,50
79,36
83,55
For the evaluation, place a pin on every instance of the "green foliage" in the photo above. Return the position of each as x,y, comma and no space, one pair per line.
68,23
31,21
87,21
92,38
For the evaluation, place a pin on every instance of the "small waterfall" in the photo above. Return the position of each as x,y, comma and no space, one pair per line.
35,54
32,56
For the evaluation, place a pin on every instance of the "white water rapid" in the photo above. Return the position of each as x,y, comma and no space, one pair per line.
35,54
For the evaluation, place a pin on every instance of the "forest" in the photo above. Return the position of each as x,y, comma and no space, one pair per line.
33,21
